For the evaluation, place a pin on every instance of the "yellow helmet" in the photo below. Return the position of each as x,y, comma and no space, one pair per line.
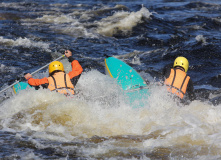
182,62
55,66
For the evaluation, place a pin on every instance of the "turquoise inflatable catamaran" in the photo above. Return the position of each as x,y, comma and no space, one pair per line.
20,86
131,82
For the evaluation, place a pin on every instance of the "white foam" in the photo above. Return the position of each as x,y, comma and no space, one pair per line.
201,38
56,19
78,27
14,5
25,42
2,67
100,109
72,25
122,21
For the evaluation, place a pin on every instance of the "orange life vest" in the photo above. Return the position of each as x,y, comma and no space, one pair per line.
61,83
177,82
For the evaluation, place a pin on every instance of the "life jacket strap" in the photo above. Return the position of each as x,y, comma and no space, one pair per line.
183,82
173,77
176,88
63,88
65,81
179,89
55,85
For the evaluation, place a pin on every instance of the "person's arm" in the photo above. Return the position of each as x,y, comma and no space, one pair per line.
190,91
76,68
167,70
35,82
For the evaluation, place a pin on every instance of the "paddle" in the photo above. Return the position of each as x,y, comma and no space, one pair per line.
17,81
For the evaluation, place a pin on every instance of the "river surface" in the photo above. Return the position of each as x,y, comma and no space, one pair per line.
98,123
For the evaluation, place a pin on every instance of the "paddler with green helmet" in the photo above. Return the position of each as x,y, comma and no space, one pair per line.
177,80
58,80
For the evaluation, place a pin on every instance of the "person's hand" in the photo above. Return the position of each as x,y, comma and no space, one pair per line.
68,53
28,76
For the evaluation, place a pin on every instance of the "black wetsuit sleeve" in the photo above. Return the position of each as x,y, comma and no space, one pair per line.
190,91
44,86
167,70
70,59
75,79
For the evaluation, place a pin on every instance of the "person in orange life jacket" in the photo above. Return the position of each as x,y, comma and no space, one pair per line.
58,80
177,80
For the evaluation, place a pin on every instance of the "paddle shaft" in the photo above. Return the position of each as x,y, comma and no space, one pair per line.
31,74
46,65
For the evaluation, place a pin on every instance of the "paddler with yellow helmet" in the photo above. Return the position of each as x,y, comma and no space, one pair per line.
58,80
177,80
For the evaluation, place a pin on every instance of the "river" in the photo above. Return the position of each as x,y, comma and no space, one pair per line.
98,123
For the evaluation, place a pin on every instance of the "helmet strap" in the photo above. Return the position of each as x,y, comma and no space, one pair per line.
181,68
52,73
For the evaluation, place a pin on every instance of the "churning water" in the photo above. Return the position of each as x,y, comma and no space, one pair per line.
98,123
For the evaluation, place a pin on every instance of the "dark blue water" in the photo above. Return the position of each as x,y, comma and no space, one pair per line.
147,35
